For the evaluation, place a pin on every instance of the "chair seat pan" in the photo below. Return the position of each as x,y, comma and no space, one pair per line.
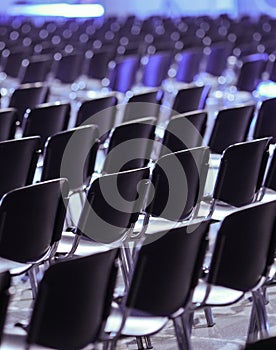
218,296
14,267
136,325
85,247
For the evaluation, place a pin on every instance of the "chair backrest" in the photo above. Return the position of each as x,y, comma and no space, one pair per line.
241,172
184,131
68,67
100,112
123,75
73,300
71,154
266,120
5,282
170,262
28,96
113,204
35,69
32,220
8,118
231,126
130,145
156,69
97,63
245,247
251,71
217,59
178,181
18,159
11,61
263,344
146,104
188,99
189,62
46,120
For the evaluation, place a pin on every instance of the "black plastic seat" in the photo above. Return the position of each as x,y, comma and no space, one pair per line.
130,145
18,159
217,59
168,261
190,99
46,120
68,67
146,104
32,221
266,121
69,312
245,160
184,131
35,69
100,112
28,96
263,344
8,119
231,126
243,254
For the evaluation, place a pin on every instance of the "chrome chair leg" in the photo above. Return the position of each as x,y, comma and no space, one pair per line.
209,316
181,335
148,342
139,341
252,333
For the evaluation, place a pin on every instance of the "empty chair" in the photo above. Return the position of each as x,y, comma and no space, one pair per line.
122,75
156,69
178,180
168,261
28,96
146,104
69,312
100,112
188,65
18,159
217,58
231,126
266,120
245,160
11,61
243,254
32,220
263,344
46,120
5,283
184,131
97,63
8,119
68,67
130,145
190,99
251,72
35,69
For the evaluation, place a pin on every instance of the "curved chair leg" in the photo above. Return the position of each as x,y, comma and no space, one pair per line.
139,341
182,333
148,342
252,333
260,313
33,280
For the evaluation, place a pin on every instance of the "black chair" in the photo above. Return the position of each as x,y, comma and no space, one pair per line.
69,312
243,254
266,121
130,145
122,74
32,220
178,180
35,69
156,68
100,112
190,99
263,344
146,104
8,119
184,131
231,126
245,160
217,59
251,70
5,293
168,261
68,67
188,65
18,159
46,120
28,96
